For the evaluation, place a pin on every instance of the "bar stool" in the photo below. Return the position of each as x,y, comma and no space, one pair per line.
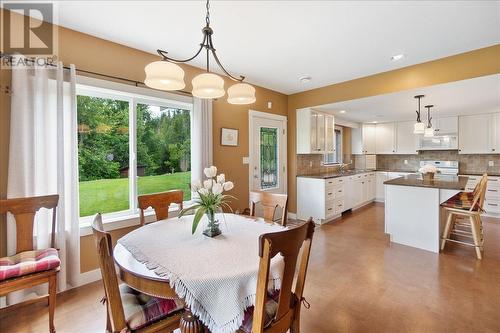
464,217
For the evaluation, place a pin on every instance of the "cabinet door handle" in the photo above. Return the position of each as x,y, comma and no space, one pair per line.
493,149
490,204
330,208
492,180
492,190
330,193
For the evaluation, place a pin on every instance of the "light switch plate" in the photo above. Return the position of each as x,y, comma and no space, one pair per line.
406,161
269,105
246,160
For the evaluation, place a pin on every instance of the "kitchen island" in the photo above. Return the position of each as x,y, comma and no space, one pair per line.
413,215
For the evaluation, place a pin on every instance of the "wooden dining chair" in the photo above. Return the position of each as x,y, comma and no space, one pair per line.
270,203
127,309
30,267
464,218
160,202
279,312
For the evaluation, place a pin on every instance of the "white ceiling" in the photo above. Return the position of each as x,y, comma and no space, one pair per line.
274,43
474,96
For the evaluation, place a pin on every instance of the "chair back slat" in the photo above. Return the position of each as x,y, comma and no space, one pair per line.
104,248
24,211
160,202
479,193
270,203
288,243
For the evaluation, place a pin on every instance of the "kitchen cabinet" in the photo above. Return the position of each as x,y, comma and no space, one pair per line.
475,134
381,177
494,134
315,132
327,199
363,139
330,143
384,138
445,126
406,140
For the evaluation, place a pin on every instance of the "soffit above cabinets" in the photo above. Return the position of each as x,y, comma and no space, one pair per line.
473,96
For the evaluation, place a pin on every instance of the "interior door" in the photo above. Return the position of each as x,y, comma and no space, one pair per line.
268,159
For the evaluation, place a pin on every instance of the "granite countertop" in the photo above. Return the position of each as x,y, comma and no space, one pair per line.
441,182
336,174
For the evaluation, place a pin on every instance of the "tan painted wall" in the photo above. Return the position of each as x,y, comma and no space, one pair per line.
463,66
98,55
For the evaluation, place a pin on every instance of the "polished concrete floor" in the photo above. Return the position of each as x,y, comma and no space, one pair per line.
357,282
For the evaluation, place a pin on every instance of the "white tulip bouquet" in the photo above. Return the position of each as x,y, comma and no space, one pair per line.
210,199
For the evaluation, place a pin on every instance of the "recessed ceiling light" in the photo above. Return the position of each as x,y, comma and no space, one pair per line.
374,121
305,79
397,57
342,111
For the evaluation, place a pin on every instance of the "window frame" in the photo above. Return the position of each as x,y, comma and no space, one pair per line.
339,151
133,95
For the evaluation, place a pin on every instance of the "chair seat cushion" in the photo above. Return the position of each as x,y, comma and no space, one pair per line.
461,200
28,262
271,307
142,310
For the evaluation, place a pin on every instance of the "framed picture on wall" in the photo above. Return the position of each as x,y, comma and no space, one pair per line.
229,137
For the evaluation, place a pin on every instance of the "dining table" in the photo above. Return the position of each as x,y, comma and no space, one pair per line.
216,277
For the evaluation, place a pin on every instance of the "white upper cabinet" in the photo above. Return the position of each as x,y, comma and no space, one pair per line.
330,134
313,132
494,137
385,142
475,134
363,139
446,126
406,141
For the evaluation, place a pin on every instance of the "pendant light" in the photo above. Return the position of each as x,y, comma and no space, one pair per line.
419,127
166,75
429,131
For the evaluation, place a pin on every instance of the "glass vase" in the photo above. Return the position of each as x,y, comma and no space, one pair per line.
212,229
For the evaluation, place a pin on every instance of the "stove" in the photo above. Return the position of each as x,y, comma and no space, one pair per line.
443,167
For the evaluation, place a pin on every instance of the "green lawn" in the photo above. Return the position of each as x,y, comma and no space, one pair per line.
111,195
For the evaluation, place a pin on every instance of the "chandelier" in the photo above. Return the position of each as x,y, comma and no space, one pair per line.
165,74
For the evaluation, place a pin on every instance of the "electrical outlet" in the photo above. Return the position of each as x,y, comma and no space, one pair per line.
246,160
491,163
310,164
406,161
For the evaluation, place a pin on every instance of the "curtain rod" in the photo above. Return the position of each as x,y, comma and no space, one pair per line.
136,83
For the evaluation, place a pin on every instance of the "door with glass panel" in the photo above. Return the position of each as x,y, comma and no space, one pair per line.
268,152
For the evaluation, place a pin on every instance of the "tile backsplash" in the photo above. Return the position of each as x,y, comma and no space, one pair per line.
467,163
310,164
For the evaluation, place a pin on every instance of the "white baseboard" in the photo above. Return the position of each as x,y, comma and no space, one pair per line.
89,277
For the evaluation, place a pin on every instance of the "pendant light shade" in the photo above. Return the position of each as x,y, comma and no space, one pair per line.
208,85
164,75
241,93
419,128
429,132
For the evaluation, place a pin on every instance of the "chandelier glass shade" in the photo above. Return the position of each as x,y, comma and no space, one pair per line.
241,93
429,131
166,75
419,128
208,85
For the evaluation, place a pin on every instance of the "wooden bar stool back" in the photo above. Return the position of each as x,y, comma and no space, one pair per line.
464,218
286,313
160,202
270,203
24,211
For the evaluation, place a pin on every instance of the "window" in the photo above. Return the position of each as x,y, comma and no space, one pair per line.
130,145
268,158
335,157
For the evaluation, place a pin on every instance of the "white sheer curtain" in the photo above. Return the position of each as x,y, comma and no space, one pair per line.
201,137
43,160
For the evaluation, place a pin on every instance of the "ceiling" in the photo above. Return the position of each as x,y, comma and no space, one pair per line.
274,43
473,96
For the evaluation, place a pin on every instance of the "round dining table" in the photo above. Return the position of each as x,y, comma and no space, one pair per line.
135,271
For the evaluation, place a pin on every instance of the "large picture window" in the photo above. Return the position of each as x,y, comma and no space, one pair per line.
130,145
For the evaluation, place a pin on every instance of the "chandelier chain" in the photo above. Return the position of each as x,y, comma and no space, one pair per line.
207,18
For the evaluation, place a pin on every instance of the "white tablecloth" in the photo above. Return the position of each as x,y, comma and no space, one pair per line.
217,277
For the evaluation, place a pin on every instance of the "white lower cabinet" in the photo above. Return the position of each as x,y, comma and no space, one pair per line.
326,199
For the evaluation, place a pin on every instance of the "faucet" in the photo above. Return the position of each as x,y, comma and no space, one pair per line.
343,167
